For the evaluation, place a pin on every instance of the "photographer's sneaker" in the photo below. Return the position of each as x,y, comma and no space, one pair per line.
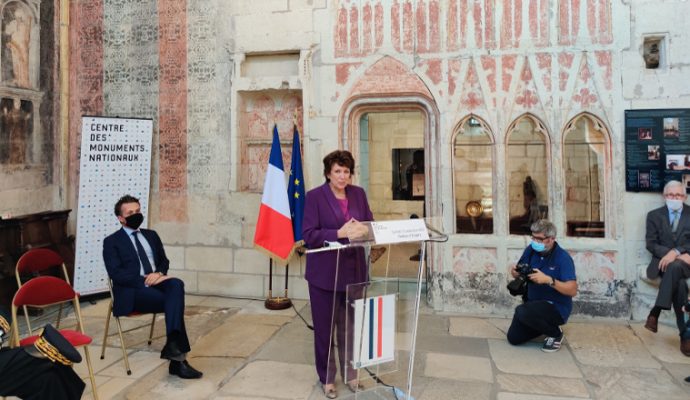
552,344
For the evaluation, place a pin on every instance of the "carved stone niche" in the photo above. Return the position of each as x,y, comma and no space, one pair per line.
652,51
20,33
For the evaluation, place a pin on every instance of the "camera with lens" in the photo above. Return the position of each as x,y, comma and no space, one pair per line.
524,269
518,286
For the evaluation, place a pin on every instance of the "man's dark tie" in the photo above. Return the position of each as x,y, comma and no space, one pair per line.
676,219
142,255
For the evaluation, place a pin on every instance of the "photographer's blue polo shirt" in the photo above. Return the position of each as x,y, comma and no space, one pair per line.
557,264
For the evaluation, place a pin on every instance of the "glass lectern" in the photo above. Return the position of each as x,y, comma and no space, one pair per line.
382,313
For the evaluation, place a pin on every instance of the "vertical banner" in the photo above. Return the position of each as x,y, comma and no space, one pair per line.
115,160
374,335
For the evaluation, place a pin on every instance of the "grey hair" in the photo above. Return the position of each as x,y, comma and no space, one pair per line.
672,184
544,226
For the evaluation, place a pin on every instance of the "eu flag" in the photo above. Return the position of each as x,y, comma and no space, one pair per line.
296,187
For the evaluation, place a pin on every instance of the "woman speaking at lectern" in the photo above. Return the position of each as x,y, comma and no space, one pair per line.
333,212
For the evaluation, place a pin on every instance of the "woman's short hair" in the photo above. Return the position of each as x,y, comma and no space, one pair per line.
544,226
341,157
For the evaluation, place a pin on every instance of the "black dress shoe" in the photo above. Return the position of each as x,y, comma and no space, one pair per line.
652,323
183,370
171,351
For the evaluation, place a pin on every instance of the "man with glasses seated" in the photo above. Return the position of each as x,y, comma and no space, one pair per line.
668,239
550,291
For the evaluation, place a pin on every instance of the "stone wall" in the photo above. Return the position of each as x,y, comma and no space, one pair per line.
185,64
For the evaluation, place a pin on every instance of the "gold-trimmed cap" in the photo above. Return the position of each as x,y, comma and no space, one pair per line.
4,325
55,347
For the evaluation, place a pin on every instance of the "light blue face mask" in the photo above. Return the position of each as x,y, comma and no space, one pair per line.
538,247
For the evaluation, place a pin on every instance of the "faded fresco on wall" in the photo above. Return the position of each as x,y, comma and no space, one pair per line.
29,53
17,23
16,127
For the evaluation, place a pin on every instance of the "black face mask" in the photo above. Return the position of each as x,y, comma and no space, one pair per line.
134,221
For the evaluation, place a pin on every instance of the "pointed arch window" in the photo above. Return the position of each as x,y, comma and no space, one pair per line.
473,176
585,152
527,174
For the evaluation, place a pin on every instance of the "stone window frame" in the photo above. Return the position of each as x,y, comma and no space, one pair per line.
492,138
607,172
540,127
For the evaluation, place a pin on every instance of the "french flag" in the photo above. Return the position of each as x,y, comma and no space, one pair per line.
274,226
374,335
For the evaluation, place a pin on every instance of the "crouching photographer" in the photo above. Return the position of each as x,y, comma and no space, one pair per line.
551,285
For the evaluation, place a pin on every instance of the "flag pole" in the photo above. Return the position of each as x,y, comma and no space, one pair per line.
295,192
276,303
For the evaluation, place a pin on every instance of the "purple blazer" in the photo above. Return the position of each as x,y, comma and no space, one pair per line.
322,219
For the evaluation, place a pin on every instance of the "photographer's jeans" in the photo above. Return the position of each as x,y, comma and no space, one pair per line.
533,319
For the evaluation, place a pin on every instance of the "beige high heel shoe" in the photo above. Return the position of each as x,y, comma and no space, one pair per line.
329,391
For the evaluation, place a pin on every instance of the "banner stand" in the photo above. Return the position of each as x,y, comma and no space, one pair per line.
115,159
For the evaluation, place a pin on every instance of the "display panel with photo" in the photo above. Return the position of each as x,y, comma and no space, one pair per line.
657,144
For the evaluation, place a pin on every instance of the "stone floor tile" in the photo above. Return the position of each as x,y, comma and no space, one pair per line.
468,346
160,384
502,324
88,390
273,380
112,356
520,396
98,310
233,339
539,385
295,330
679,373
135,331
664,345
112,388
632,384
223,302
465,368
289,349
608,345
194,299
443,389
432,324
474,327
528,359
199,320
403,341
140,362
258,307
263,319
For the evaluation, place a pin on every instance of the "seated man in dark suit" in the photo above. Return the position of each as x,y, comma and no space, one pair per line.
137,265
668,239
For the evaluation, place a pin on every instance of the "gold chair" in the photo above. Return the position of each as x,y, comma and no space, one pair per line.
43,292
33,263
120,331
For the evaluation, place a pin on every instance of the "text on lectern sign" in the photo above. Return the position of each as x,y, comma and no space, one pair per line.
400,231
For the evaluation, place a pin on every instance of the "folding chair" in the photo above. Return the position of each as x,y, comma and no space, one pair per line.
33,262
120,331
45,291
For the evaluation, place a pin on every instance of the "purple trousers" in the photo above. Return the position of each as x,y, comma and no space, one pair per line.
324,346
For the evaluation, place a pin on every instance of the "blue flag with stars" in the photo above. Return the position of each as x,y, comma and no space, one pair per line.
296,187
